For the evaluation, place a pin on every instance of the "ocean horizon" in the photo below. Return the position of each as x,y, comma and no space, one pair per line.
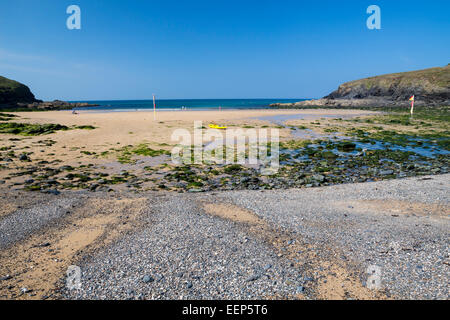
178,104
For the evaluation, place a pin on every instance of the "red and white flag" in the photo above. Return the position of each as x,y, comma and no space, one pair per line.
412,104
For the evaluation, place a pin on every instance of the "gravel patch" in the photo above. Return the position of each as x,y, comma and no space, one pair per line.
185,254
23,222
181,252
411,249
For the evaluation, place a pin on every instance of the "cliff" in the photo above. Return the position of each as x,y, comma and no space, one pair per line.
17,96
431,87
13,92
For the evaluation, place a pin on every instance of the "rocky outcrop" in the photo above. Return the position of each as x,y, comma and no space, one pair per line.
431,87
53,105
13,92
15,95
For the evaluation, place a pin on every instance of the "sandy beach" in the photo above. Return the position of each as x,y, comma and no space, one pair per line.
135,148
115,129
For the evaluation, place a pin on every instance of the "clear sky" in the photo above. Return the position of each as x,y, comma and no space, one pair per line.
214,49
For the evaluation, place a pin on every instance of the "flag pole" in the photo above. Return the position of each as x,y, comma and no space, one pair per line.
154,108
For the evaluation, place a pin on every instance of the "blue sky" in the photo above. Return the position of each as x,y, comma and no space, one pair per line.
214,49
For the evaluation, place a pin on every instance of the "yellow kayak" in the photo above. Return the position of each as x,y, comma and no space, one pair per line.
215,126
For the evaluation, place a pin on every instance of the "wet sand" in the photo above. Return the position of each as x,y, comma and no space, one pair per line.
116,129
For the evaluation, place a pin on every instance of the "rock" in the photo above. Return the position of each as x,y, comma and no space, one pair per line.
253,277
318,177
267,267
329,155
23,157
300,289
45,244
346,146
7,277
158,277
386,172
244,179
181,185
54,192
147,279
189,285
51,105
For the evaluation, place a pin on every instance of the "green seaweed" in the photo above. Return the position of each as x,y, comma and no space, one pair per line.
28,129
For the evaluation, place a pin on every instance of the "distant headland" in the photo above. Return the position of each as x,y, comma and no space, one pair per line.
431,87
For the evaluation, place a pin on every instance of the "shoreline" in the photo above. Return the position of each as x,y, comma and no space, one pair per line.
226,112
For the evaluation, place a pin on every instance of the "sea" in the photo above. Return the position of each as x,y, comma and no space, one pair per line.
188,104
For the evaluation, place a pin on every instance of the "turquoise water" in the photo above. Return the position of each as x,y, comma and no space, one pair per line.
190,104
